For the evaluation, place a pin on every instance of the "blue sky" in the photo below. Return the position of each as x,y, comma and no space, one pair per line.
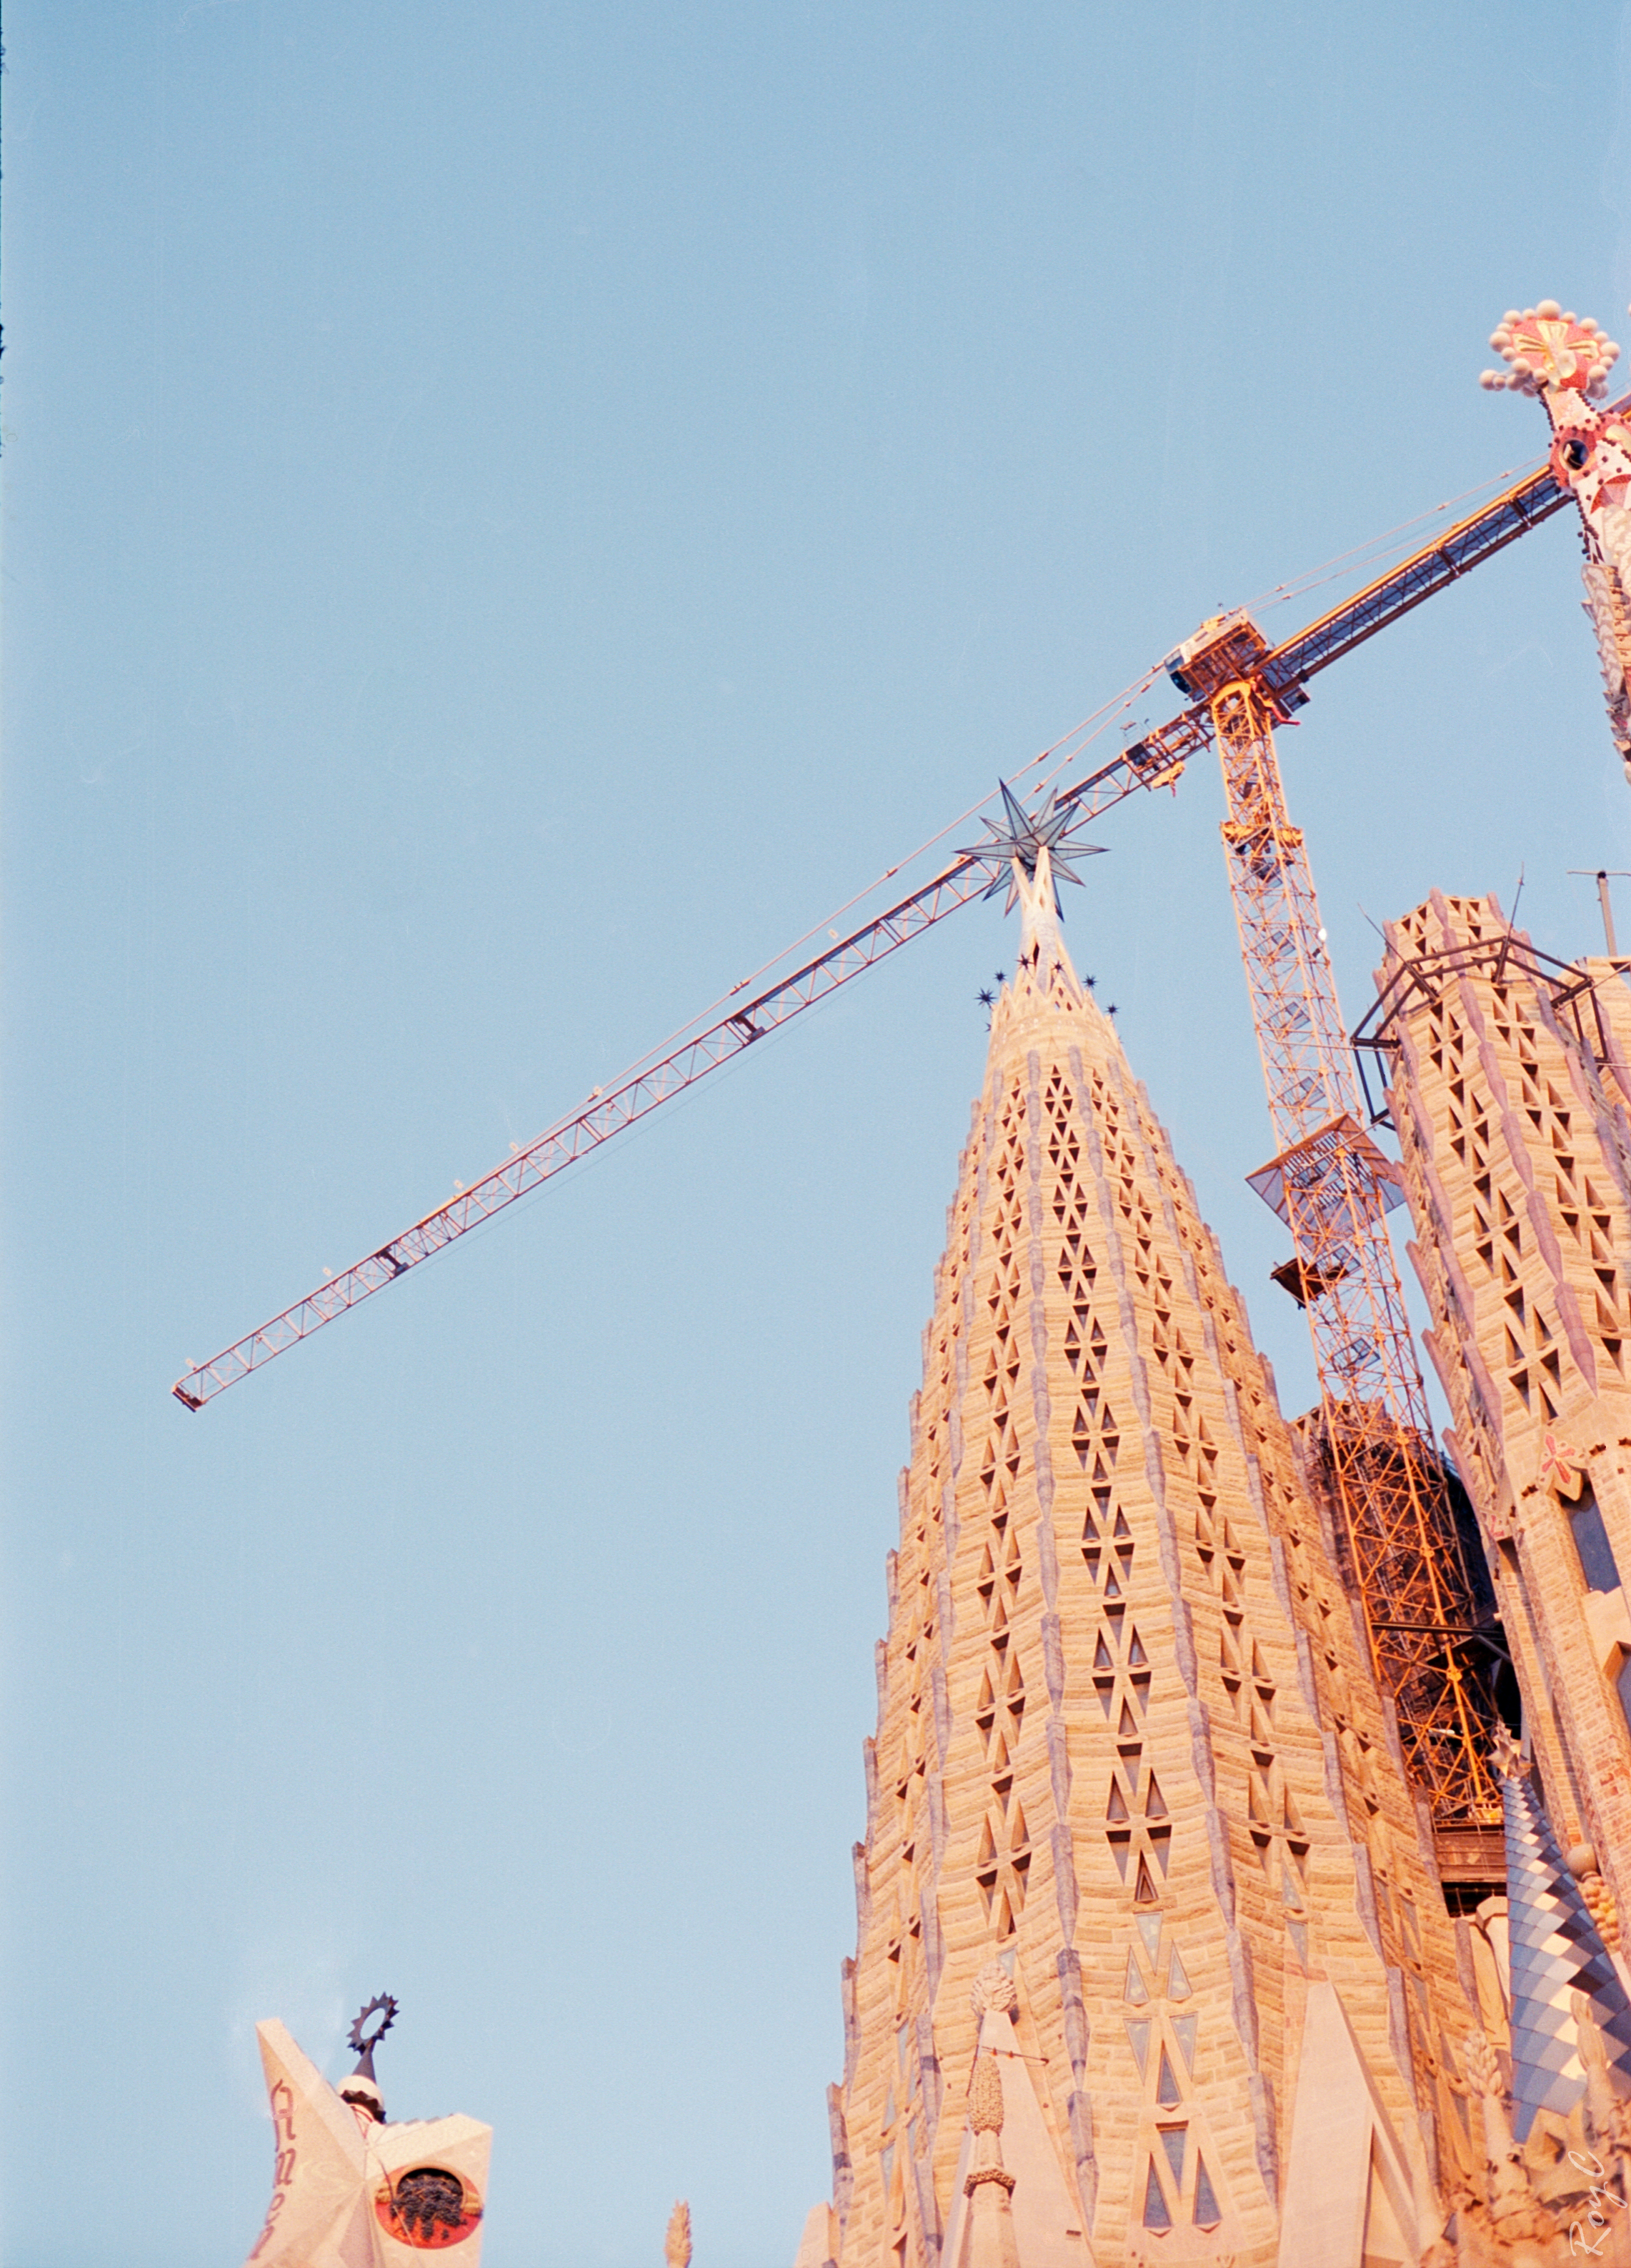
512,515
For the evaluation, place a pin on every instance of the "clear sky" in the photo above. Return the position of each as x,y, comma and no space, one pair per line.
513,513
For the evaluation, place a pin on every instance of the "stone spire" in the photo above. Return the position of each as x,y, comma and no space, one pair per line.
1508,1077
1132,1780
676,2249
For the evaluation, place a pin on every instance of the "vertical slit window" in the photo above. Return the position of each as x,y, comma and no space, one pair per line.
1591,1544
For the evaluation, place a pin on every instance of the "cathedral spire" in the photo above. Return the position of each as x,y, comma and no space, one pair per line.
1132,1780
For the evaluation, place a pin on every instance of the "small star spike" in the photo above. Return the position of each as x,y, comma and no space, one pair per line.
1018,837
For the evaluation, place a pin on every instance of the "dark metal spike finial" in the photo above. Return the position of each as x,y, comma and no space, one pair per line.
362,2042
1019,818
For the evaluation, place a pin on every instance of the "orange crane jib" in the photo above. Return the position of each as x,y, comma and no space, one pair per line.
1156,760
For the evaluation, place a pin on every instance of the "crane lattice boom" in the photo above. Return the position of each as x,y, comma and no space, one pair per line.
1156,760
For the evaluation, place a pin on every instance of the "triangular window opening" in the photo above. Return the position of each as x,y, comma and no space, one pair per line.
1121,1527
1117,1806
1156,2214
1172,2141
1166,2085
1134,1989
1208,2213
1155,1806
1144,1894
1136,1655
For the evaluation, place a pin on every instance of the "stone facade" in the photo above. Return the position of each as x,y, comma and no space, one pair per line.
1508,1085
1137,1822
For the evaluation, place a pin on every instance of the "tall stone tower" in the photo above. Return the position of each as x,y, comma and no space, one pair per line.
1138,1827
1509,1078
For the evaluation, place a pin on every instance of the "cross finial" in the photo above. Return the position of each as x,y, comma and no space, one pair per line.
1549,349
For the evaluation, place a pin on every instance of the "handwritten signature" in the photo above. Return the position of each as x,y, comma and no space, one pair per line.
1585,2162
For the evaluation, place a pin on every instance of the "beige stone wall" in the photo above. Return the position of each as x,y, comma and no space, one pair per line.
1128,1739
1510,1110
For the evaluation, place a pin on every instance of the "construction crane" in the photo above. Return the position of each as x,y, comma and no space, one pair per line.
1333,1188
1328,1181
1157,760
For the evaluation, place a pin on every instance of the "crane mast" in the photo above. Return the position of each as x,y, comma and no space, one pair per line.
1333,1188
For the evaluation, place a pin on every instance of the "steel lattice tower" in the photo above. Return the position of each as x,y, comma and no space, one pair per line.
1333,1188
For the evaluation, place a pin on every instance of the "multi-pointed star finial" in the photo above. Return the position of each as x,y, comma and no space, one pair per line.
1018,837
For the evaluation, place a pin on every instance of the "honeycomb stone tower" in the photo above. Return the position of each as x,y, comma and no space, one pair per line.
1510,1077
1138,1830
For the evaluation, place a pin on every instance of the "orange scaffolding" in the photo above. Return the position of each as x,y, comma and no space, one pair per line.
1333,1188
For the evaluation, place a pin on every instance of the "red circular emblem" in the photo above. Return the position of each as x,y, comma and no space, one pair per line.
428,2209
